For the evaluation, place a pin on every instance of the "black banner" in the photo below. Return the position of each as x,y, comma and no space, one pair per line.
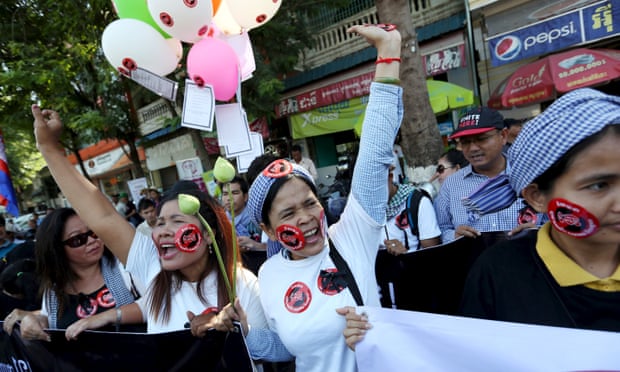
109,351
432,279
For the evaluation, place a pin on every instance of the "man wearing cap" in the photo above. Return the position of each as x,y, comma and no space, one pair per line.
482,136
6,242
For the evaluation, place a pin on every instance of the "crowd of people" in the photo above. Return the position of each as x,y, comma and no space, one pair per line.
300,277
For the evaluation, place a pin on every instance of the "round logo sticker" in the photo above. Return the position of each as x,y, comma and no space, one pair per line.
278,168
87,307
188,238
297,298
331,282
105,298
291,237
527,214
402,221
572,219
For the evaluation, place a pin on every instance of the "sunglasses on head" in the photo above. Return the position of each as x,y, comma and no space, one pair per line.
79,240
440,168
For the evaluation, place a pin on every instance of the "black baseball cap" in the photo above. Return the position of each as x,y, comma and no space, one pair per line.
477,121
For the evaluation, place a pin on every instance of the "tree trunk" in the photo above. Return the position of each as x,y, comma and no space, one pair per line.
75,149
420,138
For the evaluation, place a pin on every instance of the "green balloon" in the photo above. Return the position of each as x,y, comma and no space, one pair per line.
137,9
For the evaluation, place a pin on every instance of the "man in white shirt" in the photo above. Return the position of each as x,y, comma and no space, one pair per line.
147,210
307,163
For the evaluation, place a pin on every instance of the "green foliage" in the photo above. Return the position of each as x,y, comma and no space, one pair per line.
277,46
50,54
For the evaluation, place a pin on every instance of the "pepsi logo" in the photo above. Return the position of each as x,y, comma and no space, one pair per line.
507,48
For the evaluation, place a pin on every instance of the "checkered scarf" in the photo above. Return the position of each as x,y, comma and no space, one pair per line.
396,201
569,120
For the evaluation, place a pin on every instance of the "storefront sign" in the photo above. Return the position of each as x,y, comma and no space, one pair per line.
102,163
350,88
437,62
597,21
334,118
441,61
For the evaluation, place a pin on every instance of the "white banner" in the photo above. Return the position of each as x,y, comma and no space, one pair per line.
412,341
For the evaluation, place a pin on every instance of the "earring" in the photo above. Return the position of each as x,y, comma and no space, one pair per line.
210,248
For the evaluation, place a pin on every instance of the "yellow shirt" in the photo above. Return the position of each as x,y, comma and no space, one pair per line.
567,272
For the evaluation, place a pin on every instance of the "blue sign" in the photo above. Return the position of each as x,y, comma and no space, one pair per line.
587,24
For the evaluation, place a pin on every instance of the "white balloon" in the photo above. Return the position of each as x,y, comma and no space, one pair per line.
225,22
187,20
176,46
129,43
250,14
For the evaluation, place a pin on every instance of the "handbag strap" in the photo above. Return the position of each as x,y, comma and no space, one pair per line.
343,268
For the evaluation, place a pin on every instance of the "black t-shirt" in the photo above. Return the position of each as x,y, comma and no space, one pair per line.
510,282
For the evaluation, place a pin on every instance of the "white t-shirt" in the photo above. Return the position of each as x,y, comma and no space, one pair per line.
143,263
427,226
309,327
144,228
398,170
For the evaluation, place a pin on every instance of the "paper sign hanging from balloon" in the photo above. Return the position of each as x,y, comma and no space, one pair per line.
129,43
242,46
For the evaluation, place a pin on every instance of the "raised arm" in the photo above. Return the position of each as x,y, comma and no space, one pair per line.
383,116
92,206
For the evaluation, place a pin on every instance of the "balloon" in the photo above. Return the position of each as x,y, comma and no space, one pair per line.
129,43
225,22
187,20
216,5
213,62
136,9
250,14
176,46
242,46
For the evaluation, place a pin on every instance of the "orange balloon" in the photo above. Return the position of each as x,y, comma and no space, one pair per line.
216,5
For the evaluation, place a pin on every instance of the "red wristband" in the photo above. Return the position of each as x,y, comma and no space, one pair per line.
210,310
387,60
386,26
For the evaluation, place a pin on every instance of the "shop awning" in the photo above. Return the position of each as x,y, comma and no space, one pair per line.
545,79
349,114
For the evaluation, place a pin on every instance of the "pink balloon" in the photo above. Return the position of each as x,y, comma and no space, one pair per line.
214,62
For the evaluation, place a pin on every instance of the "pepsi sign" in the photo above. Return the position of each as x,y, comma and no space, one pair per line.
593,22
541,38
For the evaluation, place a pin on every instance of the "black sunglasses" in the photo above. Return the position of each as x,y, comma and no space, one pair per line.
440,168
79,240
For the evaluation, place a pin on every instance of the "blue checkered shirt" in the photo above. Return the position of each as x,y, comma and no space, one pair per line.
451,213
369,184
